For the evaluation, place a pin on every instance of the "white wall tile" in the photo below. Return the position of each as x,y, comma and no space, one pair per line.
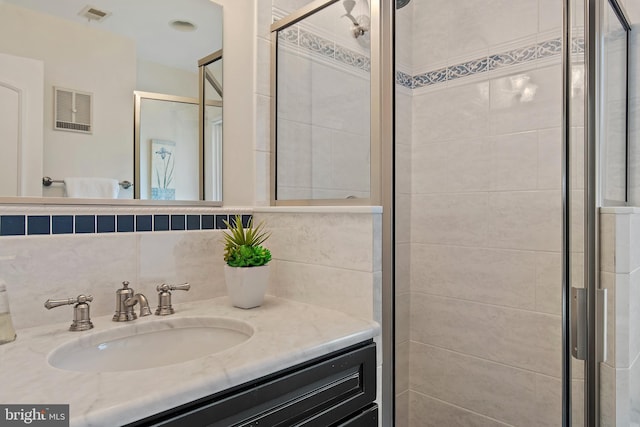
548,401
263,67
334,240
634,392
402,367
549,159
404,37
403,218
464,381
403,168
402,317
451,166
344,290
493,276
525,220
340,99
457,219
57,267
402,409
263,123
518,338
633,327
614,342
512,112
294,154
263,182
514,161
403,268
622,249
549,282
437,115
196,258
429,412
549,16
432,21
294,87
634,242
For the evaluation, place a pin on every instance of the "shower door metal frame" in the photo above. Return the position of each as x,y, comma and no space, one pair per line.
592,202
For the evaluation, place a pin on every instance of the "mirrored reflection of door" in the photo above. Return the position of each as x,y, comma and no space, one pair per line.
211,104
167,148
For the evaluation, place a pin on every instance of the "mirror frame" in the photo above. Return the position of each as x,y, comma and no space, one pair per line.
202,64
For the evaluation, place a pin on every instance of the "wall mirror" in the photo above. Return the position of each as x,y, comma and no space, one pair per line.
322,103
90,59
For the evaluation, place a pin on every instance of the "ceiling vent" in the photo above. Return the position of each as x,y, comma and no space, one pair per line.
72,110
94,14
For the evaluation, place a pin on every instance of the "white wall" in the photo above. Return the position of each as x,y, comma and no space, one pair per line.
159,78
245,164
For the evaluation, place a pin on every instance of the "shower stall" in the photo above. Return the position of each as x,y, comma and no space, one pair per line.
499,137
505,310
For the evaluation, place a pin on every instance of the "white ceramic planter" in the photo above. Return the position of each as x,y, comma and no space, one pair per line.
246,285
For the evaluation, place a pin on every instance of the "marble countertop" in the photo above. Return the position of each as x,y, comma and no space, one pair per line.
285,333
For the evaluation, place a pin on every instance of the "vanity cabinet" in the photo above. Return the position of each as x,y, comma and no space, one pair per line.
336,390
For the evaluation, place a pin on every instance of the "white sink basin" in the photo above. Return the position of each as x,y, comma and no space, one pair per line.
150,344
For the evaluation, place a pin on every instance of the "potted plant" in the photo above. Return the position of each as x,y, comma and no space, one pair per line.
246,271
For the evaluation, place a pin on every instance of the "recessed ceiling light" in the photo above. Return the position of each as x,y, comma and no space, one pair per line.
180,25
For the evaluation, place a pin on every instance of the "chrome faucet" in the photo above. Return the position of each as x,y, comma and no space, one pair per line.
81,319
126,298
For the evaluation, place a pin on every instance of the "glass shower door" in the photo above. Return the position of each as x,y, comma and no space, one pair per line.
479,213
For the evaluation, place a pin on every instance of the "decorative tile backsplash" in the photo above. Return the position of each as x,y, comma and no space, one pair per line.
21,225
521,55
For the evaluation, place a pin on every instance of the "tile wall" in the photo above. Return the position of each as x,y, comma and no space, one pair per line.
620,275
324,256
61,252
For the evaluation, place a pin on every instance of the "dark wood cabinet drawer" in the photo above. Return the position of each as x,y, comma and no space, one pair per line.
321,393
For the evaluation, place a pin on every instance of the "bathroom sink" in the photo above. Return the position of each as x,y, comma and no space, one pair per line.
149,344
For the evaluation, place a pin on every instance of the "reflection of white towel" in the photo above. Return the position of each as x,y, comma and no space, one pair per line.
98,188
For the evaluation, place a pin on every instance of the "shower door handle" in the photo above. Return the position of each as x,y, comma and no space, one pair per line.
579,324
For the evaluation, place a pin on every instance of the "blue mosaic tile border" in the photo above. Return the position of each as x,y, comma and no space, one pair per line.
324,47
545,49
30,225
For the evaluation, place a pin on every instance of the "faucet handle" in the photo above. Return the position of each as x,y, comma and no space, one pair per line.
164,297
167,288
81,318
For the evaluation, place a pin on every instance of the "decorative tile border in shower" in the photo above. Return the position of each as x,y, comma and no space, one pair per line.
521,55
57,224
327,49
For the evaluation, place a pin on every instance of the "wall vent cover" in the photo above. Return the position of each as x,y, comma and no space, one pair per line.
72,110
94,14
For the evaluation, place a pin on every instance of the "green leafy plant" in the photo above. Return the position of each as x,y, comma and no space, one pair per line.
243,245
